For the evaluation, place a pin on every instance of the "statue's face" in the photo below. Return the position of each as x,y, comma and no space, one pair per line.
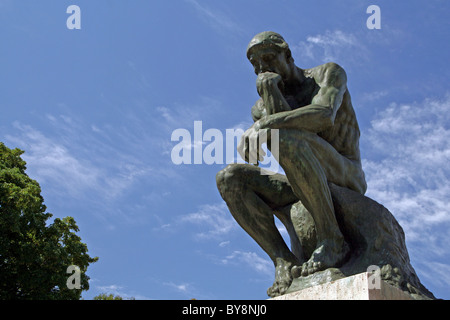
270,59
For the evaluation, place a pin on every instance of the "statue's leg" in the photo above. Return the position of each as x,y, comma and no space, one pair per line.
310,162
252,199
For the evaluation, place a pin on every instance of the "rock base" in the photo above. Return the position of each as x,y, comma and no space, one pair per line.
374,236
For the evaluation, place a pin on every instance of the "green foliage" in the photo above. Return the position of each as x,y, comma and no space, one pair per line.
104,296
34,254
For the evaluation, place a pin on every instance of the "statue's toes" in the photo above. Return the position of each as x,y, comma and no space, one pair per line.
282,289
311,267
273,291
305,268
317,266
296,271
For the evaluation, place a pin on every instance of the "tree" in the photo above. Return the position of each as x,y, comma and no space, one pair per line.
34,253
104,296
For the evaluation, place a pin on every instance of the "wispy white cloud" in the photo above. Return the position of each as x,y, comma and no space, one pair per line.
187,289
374,96
168,118
181,287
211,221
335,45
214,219
113,288
251,260
408,170
216,19
165,113
224,244
61,162
72,161
436,273
52,162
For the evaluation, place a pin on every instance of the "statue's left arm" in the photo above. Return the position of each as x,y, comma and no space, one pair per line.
320,114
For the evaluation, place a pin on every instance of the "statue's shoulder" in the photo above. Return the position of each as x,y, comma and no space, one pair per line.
327,73
326,67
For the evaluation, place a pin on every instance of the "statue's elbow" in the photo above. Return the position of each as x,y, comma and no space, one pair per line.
329,118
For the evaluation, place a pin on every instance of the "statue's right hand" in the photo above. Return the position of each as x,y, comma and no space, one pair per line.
249,147
268,81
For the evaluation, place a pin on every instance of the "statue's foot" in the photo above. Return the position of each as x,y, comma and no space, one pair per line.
296,271
328,254
283,278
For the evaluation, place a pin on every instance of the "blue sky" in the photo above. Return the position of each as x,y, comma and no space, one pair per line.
95,108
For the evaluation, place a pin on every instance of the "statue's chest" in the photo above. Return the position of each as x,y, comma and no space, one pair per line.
303,96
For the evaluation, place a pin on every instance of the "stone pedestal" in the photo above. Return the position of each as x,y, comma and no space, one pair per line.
362,286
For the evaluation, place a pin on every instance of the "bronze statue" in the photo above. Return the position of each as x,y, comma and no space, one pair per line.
318,139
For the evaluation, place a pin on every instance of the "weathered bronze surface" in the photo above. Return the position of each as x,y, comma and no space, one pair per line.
335,231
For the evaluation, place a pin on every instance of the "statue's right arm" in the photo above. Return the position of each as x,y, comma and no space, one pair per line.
321,113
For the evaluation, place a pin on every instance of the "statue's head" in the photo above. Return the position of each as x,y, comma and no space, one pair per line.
267,39
267,50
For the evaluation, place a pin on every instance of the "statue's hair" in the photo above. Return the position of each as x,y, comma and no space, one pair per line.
268,39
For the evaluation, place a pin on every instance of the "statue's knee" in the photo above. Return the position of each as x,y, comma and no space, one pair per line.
220,178
231,175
